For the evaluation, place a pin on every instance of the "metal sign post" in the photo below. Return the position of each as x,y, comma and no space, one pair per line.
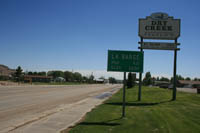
124,96
162,27
140,77
174,86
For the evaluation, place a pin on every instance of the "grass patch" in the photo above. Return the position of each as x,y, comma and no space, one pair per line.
155,113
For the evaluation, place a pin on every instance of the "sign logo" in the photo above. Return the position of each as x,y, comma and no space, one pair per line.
159,15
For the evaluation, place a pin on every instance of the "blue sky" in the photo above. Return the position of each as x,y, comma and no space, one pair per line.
76,34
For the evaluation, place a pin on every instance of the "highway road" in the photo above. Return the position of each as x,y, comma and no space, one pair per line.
21,106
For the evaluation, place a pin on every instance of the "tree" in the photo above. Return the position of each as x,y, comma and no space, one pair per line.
55,74
147,79
153,80
131,80
77,76
42,73
18,73
35,73
112,80
68,76
178,77
172,79
188,78
85,79
164,79
30,73
91,79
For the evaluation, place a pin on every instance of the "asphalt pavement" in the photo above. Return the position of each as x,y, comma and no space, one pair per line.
48,108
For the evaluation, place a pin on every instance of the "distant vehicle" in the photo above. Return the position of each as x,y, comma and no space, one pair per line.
60,79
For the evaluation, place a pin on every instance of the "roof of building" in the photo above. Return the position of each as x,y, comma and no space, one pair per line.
4,66
188,82
6,71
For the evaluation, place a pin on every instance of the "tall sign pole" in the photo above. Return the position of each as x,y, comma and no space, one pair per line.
124,96
140,77
174,81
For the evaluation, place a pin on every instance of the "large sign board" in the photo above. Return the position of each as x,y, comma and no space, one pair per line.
159,26
125,61
159,45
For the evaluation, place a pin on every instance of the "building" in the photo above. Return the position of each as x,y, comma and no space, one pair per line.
99,81
162,84
37,78
188,84
158,83
6,72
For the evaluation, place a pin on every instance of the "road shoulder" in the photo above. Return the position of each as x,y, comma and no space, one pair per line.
65,116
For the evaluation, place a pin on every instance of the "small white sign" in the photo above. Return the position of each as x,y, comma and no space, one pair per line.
159,26
159,45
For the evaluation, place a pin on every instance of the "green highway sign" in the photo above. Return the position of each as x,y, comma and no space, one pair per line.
125,61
